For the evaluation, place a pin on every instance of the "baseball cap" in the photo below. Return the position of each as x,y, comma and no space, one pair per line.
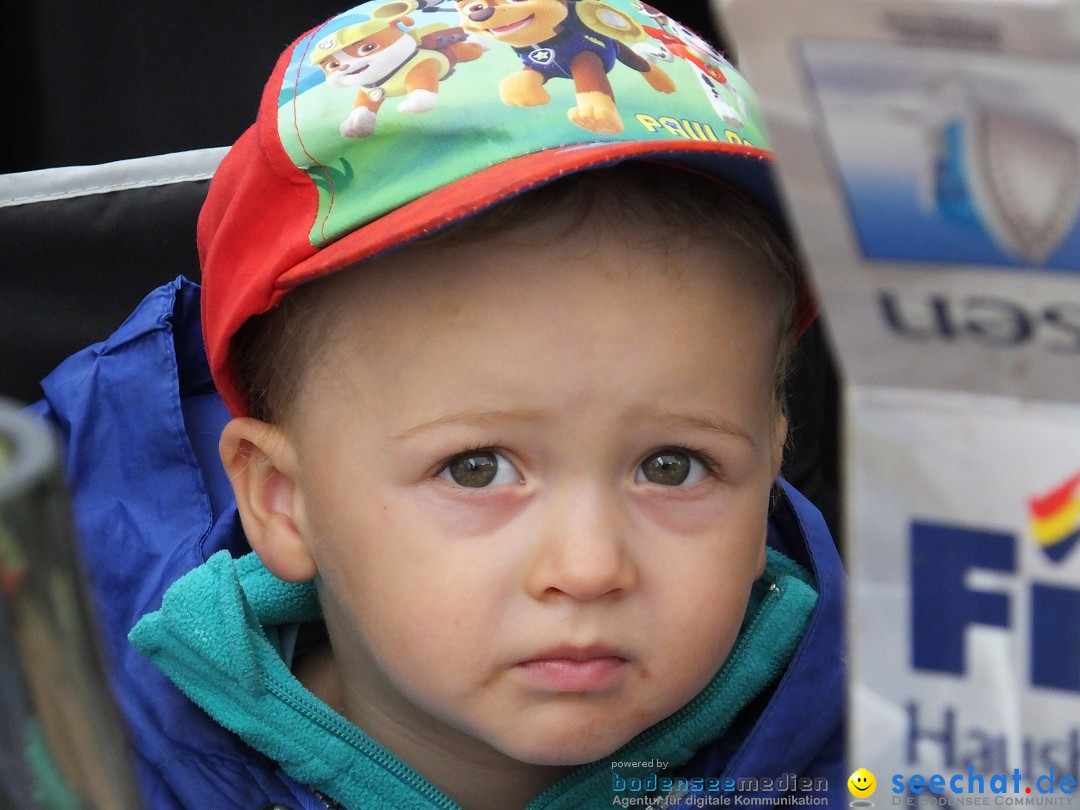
395,119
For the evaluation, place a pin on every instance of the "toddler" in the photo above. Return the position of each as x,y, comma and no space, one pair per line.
501,318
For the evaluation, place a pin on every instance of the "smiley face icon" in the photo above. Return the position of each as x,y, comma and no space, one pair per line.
862,783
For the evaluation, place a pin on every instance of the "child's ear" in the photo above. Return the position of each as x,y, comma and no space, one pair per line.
261,464
780,429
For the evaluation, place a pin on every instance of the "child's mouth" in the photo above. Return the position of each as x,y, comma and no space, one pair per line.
573,670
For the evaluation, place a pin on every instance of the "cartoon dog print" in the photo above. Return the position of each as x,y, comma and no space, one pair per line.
678,40
384,60
553,40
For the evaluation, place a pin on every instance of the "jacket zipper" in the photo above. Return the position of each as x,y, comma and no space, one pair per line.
345,732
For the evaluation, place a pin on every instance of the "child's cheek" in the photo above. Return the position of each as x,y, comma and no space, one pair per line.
458,512
683,513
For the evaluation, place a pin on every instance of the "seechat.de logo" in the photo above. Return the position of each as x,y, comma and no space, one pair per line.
862,785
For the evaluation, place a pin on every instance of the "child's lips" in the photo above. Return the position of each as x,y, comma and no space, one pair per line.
574,669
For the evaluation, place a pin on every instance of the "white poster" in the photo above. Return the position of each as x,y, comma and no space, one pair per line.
929,154
965,608
930,157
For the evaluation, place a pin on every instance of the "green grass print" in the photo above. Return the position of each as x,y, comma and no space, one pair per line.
329,179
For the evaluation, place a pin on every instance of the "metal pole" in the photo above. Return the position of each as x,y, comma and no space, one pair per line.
62,742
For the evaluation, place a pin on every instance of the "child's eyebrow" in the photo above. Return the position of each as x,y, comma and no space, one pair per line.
721,426
470,418
713,425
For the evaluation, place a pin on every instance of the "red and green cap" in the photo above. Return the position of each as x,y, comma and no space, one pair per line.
395,119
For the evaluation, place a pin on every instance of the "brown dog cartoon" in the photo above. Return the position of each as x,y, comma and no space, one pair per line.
571,39
383,60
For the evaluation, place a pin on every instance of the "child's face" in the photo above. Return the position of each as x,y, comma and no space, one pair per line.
534,478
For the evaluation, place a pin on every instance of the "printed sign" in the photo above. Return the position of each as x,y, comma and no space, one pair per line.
930,157
931,165
965,613
984,159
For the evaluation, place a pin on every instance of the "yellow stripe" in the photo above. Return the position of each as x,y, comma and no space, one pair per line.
1050,530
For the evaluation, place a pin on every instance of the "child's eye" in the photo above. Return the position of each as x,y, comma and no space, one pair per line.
480,468
672,468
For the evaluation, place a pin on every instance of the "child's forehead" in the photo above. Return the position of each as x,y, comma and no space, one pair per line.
533,258
538,269
541,288
501,329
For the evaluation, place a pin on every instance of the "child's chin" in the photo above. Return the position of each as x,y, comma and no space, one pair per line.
564,750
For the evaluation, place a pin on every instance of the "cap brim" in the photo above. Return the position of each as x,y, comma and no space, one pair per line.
746,168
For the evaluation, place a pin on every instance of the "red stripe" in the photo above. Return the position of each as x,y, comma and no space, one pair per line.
1046,505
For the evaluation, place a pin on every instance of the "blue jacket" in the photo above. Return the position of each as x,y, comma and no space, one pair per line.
139,421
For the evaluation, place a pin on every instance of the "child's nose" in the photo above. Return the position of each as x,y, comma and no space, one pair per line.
582,550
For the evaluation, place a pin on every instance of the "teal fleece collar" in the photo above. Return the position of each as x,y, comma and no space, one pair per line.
217,638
